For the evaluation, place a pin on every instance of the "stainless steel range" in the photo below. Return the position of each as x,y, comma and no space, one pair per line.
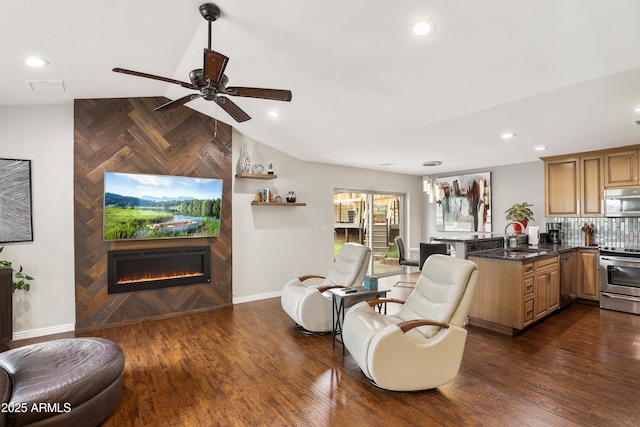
620,279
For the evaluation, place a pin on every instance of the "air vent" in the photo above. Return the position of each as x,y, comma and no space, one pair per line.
637,122
45,85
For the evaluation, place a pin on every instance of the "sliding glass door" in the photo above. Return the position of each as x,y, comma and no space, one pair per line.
372,219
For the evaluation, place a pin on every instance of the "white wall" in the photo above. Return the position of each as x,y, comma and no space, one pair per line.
44,135
510,184
271,244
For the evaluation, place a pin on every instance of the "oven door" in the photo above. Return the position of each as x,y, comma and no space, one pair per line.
620,275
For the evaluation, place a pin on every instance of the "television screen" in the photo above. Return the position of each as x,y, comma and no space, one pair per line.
142,206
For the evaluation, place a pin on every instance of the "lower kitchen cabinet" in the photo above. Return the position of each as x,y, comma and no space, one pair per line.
588,275
511,295
547,287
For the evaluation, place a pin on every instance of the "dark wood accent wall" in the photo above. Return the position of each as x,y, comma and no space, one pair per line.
126,135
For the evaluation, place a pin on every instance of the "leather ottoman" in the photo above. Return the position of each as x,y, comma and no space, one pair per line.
67,382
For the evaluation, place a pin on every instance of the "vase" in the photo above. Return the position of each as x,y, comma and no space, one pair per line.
245,161
291,197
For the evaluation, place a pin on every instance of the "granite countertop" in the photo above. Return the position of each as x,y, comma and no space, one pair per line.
471,237
528,252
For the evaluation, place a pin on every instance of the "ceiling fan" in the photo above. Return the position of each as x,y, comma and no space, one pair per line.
211,81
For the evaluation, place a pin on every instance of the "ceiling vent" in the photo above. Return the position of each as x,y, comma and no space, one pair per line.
637,122
45,85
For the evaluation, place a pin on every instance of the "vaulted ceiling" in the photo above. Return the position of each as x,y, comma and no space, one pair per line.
367,92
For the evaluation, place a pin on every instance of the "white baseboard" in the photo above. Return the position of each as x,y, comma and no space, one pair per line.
258,297
35,333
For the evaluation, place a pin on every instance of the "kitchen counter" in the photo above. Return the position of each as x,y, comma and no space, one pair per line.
527,252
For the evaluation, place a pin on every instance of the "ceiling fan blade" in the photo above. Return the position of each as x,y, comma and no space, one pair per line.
151,76
214,65
232,109
254,92
177,103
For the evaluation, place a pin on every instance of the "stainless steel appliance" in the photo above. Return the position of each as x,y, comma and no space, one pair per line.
567,269
622,202
554,232
620,279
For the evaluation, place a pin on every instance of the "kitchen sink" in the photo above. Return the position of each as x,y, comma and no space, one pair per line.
523,252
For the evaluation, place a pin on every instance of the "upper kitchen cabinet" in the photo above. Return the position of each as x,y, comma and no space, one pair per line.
574,184
621,168
591,185
561,187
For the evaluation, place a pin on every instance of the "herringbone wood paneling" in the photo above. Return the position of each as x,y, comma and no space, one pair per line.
126,135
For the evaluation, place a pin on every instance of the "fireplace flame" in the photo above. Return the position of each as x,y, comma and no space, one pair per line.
127,280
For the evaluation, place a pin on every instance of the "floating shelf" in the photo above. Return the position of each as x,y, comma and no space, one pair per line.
277,204
255,175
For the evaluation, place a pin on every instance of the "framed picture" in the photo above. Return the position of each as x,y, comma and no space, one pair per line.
143,206
15,201
464,203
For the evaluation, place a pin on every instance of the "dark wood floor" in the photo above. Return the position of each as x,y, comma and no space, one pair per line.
247,365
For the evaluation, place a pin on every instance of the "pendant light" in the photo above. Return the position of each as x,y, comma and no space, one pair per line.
429,182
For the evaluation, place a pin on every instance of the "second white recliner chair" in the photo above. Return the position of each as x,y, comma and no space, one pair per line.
306,300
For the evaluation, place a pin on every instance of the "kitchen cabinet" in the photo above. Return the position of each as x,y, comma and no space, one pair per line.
561,187
591,185
588,274
6,305
574,186
547,287
511,295
621,168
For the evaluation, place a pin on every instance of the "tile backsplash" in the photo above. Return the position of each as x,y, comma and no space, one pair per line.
608,231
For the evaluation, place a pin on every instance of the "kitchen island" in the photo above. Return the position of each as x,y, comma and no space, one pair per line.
519,286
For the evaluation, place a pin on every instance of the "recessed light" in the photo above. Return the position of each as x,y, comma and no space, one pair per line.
540,148
274,113
423,27
34,61
637,110
508,135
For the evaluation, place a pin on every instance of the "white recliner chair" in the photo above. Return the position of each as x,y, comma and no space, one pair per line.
421,346
306,300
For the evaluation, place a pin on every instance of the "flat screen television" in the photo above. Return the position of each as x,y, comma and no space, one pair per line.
144,206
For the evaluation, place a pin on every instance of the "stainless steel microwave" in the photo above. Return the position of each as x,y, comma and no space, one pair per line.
622,202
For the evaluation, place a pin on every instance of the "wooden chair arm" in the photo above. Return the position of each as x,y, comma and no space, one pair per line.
374,302
410,324
310,276
323,289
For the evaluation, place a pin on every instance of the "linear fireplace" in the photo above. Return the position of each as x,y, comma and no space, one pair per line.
140,269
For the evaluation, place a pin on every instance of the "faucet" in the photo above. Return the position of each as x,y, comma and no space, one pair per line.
511,241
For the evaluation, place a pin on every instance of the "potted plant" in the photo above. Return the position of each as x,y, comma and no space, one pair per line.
270,169
21,279
519,212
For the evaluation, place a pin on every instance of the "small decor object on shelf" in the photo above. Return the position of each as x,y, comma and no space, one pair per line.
291,197
278,199
257,169
245,161
270,169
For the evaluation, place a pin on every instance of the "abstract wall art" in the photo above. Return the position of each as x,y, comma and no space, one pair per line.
15,201
464,203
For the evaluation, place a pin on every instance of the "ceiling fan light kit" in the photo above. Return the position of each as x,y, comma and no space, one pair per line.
211,81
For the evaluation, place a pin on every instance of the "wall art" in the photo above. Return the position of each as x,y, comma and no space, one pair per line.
15,201
464,203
